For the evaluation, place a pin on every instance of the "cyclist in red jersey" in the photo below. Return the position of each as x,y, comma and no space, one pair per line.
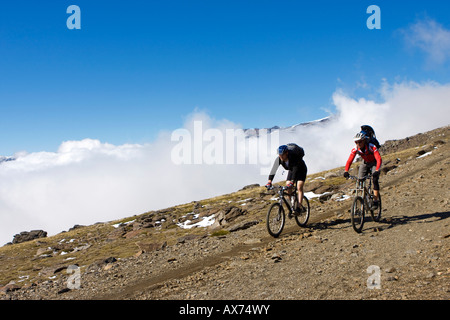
372,162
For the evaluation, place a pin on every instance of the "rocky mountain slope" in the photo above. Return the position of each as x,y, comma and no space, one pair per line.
219,248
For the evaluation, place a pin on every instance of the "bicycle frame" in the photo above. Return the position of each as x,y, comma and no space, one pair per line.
282,197
364,191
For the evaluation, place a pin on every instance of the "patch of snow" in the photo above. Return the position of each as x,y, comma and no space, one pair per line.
424,155
120,223
205,222
311,195
344,197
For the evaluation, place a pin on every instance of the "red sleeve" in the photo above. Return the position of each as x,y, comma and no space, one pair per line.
350,159
377,157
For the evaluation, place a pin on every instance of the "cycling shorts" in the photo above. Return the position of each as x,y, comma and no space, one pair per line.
298,172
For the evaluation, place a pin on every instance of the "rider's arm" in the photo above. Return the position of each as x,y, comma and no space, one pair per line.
275,166
378,158
350,160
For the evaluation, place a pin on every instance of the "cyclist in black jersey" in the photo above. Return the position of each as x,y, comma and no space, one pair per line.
290,156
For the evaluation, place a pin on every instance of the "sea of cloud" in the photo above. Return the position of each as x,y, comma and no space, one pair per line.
90,181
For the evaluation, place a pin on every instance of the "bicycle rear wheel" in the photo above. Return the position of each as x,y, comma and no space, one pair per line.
302,218
275,220
357,216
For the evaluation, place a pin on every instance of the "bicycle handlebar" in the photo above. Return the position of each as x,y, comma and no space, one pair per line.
362,179
280,187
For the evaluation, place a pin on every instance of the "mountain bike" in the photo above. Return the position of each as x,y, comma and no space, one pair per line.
276,217
363,202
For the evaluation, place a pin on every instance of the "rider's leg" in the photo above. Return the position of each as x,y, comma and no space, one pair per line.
300,185
301,178
289,179
376,194
376,186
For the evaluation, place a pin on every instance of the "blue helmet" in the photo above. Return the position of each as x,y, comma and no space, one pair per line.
282,149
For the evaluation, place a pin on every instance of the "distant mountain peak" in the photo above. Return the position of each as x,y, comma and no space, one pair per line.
5,159
255,131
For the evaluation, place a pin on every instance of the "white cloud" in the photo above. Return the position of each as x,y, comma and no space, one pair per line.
89,181
432,38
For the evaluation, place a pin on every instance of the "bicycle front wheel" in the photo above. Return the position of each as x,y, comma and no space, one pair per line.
358,214
275,220
302,218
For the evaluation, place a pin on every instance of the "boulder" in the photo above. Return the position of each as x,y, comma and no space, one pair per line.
250,186
243,225
329,175
9,288
153,246
227,215
28,236
325,188
312,186
77,226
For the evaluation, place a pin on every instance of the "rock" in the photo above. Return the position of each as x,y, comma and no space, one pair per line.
312,186
329,175
325,188
52,270
233,213
42,251
386,168
250,186
187,238
77,226
227,215
28,236
80,248
276,258
138,254
110,260
325,197
133,233
64,290
143,224
108,267
152,246
9,288
337,196
117,233
252,241
243,225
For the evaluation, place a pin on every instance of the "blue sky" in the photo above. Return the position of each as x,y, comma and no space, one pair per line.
138,67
